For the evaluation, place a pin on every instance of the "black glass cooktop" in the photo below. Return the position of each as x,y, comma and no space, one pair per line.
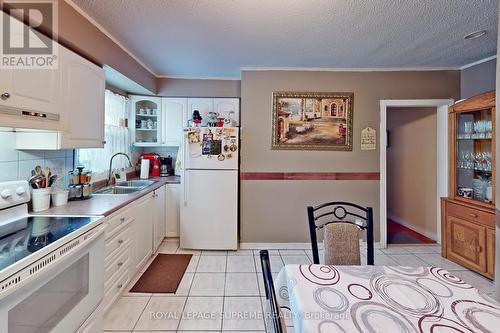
20,238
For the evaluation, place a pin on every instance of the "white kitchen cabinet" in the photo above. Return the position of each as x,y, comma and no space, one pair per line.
79,103
146,121
143,230
203,105
173,209
83,101
226,106
159,217
174,117
30,90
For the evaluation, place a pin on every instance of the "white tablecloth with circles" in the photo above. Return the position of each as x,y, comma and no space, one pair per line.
330,299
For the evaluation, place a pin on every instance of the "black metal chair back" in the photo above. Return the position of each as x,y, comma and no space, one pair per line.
343,212
273,319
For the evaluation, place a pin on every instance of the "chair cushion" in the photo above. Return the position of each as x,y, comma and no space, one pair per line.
341,243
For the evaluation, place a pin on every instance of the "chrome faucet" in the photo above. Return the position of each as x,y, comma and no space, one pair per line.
111,164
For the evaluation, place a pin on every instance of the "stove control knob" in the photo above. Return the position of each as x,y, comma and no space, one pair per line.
5,194
20,190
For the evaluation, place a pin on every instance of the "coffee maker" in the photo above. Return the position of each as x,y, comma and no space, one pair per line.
166,168
154,163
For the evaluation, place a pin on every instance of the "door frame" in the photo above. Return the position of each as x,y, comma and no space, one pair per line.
442,106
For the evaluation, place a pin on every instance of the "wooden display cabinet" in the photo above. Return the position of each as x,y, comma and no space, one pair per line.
468,214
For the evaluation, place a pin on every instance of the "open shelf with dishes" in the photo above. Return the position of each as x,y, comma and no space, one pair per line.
146,111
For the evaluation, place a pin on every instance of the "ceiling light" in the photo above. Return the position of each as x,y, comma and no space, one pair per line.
475,34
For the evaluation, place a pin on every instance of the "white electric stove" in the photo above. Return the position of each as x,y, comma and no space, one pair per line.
51,267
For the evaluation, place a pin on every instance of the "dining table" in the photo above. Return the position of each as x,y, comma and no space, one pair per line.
329,299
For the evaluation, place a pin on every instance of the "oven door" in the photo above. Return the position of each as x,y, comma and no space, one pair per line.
59,299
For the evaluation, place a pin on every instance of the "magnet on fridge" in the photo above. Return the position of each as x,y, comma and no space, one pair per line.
221,157
193,137
233,147
226,148
229,156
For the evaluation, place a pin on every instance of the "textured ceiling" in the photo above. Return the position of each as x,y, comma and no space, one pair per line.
216,38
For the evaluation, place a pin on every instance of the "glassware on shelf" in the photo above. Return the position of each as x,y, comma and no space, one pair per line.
479,188
480,129
489,190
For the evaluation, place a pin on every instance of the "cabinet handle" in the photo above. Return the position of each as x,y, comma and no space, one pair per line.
120,264
5,96
473,215
122,219
104,142
120,241
119,286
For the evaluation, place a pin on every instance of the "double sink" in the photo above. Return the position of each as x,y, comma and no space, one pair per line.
124,188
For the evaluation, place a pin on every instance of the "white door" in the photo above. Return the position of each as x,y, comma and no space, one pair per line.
143,230
174,110
83,89
228,108
173,209
159,216
209,218
203,105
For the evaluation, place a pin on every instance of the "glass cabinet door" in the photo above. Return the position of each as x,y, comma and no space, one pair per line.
147,113
474,133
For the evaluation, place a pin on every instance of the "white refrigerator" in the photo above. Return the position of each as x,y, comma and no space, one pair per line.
209,207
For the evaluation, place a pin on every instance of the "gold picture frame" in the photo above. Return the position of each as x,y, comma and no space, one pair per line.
312,120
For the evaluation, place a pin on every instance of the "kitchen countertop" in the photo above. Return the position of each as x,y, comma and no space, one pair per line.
106,204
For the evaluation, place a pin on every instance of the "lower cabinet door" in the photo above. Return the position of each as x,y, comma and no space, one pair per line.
143,230
159,217
467,243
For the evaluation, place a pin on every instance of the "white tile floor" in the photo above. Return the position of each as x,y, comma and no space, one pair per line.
230,282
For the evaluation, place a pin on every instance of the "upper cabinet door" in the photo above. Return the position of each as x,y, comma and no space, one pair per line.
83,100
34,90
228,108
203,105
174,111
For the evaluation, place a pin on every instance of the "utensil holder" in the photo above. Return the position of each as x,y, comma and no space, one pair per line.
40,199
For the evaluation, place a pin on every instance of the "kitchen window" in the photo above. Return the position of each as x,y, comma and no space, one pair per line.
116,135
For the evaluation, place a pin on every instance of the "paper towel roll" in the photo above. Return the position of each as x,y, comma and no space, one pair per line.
144,168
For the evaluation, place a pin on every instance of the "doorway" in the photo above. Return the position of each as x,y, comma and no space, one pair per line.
441,156
411,175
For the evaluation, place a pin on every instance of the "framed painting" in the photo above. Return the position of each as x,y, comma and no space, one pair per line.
312,121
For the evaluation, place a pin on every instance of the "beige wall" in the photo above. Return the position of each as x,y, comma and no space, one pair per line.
78,34
478,79
411,168
198,87
274,211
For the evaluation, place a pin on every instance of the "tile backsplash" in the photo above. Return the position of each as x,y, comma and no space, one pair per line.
162,151
17,164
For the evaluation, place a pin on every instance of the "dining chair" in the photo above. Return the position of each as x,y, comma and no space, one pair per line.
274,319
341,223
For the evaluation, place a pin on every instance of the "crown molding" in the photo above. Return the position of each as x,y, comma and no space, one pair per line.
220,78
342,69
475,63
110,36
